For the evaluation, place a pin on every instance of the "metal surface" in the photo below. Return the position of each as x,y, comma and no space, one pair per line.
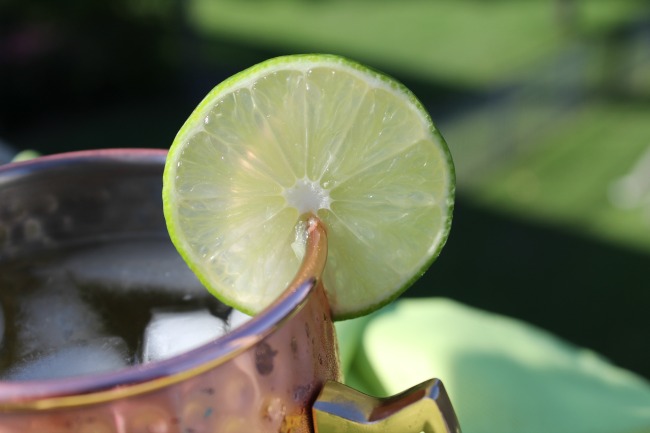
423,408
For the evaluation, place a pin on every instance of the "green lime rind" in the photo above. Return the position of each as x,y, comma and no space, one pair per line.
244,79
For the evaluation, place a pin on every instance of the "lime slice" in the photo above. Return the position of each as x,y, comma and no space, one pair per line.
309,134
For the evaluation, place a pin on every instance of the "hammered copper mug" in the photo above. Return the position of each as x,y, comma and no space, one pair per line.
279,372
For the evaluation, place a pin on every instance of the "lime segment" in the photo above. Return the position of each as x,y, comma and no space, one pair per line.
309,134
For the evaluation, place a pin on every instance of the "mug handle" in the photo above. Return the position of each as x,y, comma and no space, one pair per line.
340,409
423,408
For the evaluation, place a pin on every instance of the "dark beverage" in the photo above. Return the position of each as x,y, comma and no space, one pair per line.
86,309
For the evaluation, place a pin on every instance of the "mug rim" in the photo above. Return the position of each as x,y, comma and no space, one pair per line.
140,378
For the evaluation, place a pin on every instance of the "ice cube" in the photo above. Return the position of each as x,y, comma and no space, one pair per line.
237,318
141,265
171,333
54,316
80,358
148,273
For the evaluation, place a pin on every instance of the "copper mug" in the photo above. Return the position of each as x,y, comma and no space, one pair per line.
279,372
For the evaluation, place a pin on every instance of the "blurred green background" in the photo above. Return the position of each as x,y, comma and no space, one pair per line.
545,105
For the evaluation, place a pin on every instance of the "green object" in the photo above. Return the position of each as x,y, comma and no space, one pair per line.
300,135
349,334
462,42
25,155
502,375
